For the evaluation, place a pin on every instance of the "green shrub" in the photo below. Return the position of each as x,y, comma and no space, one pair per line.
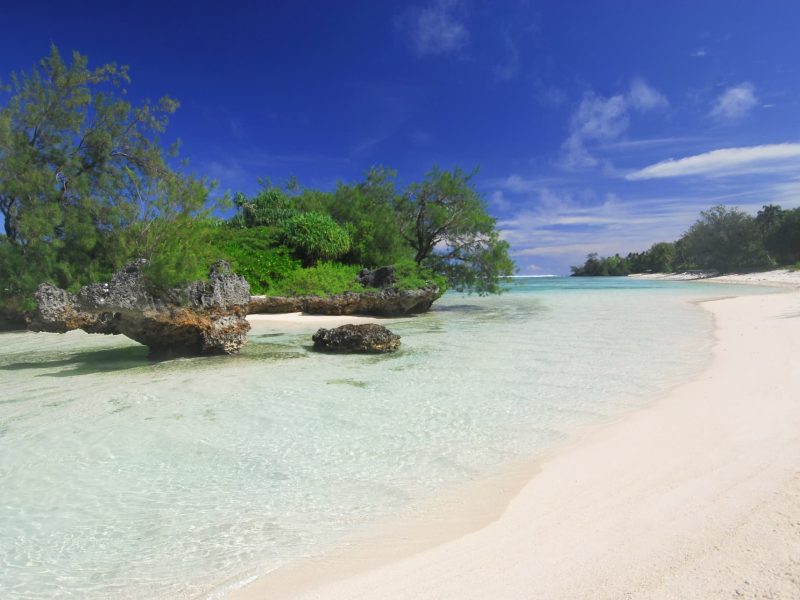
324,279
316,236
270,207
413,277
182,251
253,254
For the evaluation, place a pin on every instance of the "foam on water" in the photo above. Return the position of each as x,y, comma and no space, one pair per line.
120,477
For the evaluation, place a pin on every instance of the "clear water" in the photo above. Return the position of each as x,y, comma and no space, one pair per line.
120,477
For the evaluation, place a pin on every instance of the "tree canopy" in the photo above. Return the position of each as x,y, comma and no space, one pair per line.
446,223
725,239
84,182
440,226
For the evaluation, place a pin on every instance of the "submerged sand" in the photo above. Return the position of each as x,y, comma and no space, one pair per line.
697,496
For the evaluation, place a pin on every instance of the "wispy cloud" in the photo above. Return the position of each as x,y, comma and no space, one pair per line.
566,227
700,53
645,143
237,128
735,102
725,161
551,96
643,97
508,69
498,199
605,119
230,174
420,137
516,184
367,144
436,29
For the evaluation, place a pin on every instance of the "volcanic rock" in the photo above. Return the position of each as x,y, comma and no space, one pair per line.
382,277
367,338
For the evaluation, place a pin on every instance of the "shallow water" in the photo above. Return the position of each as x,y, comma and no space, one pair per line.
120,477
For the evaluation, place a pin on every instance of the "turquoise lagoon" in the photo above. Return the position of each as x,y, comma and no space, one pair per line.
121,477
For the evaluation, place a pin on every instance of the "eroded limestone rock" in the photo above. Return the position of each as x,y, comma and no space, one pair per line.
389,302
205,317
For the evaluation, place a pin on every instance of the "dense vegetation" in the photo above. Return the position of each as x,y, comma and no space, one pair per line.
85,186
722,239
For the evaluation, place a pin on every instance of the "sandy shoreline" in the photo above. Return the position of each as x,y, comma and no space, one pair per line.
697,496
303,320
775,278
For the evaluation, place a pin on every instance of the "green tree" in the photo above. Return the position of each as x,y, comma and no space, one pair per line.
725,239
446,223
661,257
781,232
769,219
84,183
367,209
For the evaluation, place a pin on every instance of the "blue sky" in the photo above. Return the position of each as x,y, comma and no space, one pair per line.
597,126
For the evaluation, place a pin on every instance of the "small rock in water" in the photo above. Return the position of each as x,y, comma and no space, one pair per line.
368,338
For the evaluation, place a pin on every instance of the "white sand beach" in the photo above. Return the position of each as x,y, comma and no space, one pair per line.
697,496
775,278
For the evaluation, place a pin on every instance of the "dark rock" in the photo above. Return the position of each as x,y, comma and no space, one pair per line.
205,317
382,277
13,318
368,338
387,302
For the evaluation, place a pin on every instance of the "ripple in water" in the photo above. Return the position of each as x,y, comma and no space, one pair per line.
121,477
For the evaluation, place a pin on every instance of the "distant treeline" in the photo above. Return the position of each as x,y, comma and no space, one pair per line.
722,239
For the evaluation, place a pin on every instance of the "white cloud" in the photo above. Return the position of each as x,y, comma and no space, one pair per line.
605,119
436,29
517,184
700,53
726,161
735,102
498,199
574,154
599,118
643,97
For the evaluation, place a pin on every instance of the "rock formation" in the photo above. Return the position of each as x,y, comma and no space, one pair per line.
368,338
205,317
382,277
389,302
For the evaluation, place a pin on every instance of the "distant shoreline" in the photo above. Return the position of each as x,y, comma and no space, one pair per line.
695,496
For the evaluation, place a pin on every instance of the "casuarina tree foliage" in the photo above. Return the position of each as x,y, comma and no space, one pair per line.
446,223
84,183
